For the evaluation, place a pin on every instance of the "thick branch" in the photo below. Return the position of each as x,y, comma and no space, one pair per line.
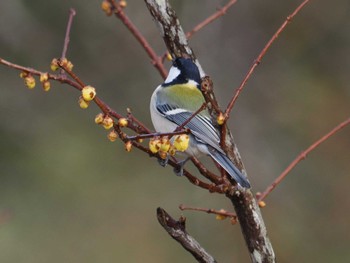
176,229
248,212
171,30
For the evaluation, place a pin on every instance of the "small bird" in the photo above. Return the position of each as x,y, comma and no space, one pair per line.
174,101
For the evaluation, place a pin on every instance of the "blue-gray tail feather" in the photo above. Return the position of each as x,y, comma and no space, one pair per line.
229,167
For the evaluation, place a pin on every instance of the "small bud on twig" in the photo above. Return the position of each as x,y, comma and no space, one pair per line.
107,122
54,64
123,122
99,118
164,144
168,56
262,204
154,145
220,119
106,7
112,136
123,3
23,74
83,103
88,93
46,85
44,77
128,146
29,81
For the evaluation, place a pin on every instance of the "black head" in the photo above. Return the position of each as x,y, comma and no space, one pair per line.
182,71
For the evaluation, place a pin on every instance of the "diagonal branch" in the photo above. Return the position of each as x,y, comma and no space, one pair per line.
177,230
260,57
156,60
72,13
220,12
60,78
301,157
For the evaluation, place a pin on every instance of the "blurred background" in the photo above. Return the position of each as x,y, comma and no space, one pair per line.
67,194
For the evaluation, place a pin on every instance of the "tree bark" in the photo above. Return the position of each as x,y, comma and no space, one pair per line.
243,200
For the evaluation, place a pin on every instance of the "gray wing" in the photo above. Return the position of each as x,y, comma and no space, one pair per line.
201,127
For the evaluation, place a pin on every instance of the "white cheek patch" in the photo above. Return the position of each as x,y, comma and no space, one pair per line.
173,73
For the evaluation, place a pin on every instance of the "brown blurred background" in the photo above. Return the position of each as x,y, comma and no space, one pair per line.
69,195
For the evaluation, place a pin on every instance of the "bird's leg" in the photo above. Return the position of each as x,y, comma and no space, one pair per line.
179,169
163,162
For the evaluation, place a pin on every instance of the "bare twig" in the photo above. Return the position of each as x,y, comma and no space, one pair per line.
260,57
137,121
179,130
62,79
220,12
156,60
72,13
71,73
301,157
221,212
206,173
177,230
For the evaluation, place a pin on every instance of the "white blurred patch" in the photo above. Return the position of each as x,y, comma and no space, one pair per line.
173,73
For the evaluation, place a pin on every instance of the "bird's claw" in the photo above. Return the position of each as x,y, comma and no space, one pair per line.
179,169
163,162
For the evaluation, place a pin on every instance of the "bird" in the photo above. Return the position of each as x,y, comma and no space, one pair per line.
175,101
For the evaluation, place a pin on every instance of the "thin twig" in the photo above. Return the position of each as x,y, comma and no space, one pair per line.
191,178
260,57
156,60
221,212
138,122
71,73
62,79
301,157
179,130
177,230
206,173
72,13
181,127
135,125
220,12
